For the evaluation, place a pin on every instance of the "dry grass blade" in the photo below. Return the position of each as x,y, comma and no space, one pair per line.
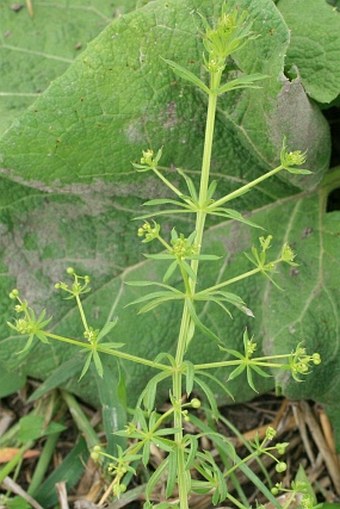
12,486
327,453
62,495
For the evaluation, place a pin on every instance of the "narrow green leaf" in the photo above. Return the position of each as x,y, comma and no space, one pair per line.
217,382
152,283
153,295
172,473
260,371
198,322
159,256
164,201
86,366
157,302
242,82
188,270
98,364
234,216
155,478
146,454
210,397
166,212
205,257
219,303
163,432
237,372
113,345
170,270
163,443
299,171
107,328
211,189
190,185
187,75
191,455
189,377
148,395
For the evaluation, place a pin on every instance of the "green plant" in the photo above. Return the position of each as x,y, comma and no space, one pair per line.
183,256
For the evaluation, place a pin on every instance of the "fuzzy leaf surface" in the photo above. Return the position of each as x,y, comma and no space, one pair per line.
36,50
314,51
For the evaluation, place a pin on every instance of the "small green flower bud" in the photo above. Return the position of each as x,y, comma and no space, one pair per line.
288,254
250,347
270,433
281,467
316,359
57,286
275,491
14,294
195,403
70,271
147,157
291,159
95,456
265,242
281,447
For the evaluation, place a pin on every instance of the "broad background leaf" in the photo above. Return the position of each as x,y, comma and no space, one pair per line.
36,50
315,47
68,191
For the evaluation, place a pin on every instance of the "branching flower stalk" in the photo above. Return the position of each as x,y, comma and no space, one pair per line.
184,254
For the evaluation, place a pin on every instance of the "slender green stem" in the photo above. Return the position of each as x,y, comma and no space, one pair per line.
164,243
225,364
167,183
186,319
230,281
235,279
82,313
244,189
110,351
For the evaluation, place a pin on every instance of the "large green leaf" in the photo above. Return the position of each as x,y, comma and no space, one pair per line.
314,52
119,94
35,50
68,191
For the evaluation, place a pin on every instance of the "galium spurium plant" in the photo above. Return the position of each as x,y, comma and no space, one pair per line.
185,469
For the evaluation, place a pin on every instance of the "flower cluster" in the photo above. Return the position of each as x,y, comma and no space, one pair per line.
288,255
290,159
149,232
78,287
300,362
228,35
149,160
28,323
183,247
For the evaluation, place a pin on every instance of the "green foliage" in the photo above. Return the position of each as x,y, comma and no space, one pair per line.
166,431
91,122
